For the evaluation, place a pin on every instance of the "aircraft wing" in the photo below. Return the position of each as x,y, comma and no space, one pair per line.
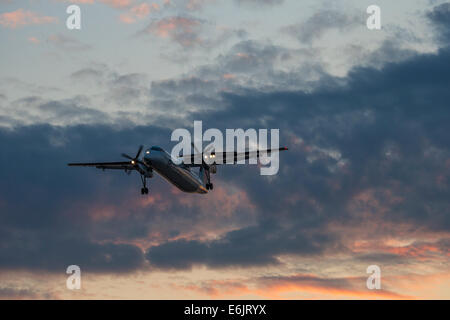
121,165
224,157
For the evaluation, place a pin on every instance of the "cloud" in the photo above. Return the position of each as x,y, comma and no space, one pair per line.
55,253
67,43
21,18
363,149
187,5
294,286
260,2
124,224
440,17
16,293
88,73
368,162
182,30
250,246
138,12
118,3
34,109
367,149
33,40
321,22
125,90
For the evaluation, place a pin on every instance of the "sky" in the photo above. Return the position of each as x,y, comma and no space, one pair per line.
364,113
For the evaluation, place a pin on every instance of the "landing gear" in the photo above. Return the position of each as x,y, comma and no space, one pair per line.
144,190
209,185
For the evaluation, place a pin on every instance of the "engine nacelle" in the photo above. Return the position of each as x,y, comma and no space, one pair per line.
213,168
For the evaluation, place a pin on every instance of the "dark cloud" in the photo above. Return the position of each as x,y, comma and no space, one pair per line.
381,133
440,17
57,252
372,147
17,293
35,109
58,215
45,219
87,73
250,246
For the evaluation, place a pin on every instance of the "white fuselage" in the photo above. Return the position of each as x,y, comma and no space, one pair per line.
177,174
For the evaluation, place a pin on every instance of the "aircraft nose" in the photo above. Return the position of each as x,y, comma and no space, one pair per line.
147,157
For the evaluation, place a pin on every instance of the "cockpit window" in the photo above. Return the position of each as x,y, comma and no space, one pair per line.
156,148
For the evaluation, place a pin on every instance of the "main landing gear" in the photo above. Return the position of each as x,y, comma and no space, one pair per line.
144,189
209,185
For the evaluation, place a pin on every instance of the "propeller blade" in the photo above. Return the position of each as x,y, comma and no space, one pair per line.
127,156
134,161
139,151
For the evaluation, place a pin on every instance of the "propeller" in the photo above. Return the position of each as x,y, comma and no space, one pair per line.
135,160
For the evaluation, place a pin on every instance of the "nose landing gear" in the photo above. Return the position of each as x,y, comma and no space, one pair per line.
209,186
144,189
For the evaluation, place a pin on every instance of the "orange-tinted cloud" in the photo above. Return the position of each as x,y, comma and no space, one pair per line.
179,29
21,17
228,76
295,286
120,4
33,40
138,12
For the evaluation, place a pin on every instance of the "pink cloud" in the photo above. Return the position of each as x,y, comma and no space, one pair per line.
179,29
33,40
138,12
20,18
120,4
229,76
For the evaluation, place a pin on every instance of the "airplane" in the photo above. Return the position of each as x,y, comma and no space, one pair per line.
175,171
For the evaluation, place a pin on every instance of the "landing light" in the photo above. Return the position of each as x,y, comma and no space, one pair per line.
147,152
132,162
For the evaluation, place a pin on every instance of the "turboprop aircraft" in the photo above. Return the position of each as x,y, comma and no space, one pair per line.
175,170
